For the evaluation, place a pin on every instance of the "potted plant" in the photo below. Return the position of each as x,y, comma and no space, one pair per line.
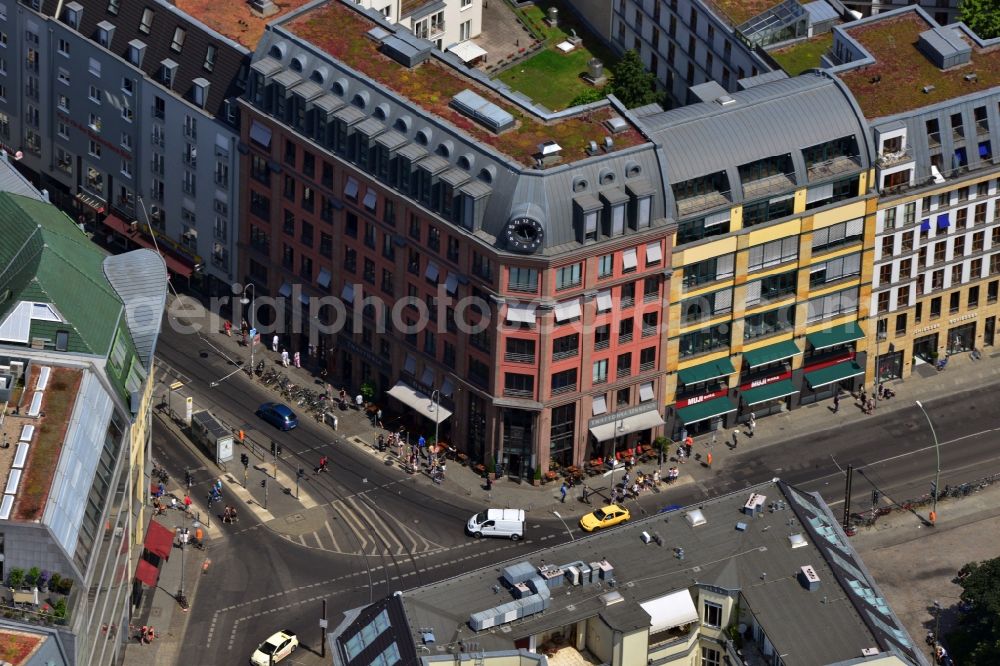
43,581
59,611
15,579
491,468
53,583
65,586
31,579
367,391
538,476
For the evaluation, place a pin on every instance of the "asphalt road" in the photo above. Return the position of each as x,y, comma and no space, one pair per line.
263,581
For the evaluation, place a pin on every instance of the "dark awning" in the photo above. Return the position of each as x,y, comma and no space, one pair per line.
159,540
833,373
147,574
755,396
705,410
771,353
836,335
705,371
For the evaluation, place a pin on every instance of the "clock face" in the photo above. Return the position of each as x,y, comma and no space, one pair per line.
524,234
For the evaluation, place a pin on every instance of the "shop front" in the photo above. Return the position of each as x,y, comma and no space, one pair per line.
889,366
766,385
697,385
962,338
624,429
831,365
925,347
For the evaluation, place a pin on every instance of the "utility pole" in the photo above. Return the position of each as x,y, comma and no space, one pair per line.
181,598
263,484
937,473
847,498
322,626
245,459
298,477
253,331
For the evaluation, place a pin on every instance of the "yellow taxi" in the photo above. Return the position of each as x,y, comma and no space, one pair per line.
604,517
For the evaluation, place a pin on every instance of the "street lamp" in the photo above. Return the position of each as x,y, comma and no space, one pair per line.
250,302
568,530
937,473
619,427
436,407
937,628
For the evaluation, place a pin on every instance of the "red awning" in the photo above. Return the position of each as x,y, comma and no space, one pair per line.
159,540
147,574
174,265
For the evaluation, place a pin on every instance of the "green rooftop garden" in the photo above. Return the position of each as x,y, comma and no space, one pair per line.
740,11
894,84
340,31
550,77
804,55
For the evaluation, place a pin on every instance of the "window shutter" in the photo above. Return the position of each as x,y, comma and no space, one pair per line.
724,266
753,292
855,227
723,301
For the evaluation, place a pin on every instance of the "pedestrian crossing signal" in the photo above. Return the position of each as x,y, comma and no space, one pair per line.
245,459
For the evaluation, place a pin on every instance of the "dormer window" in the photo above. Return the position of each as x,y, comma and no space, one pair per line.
113,7
210,53
136,50
73,15
146,22
105,32
177,43
199,92
167,70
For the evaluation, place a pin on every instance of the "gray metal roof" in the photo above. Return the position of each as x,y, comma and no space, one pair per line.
781,117
821,11
716,554
12,181
390,140
139,278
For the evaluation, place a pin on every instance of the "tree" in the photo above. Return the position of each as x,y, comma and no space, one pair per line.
631,83
983,16
588,96
976,640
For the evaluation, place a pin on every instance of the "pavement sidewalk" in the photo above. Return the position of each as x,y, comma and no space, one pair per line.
356,429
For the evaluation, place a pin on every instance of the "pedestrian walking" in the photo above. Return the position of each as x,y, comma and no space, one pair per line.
298,360
284,357
228,327
187,502
681,454
752,423
864,396
736,437
836,402
274,343
708,459
562,491
378,419
359,401
688,446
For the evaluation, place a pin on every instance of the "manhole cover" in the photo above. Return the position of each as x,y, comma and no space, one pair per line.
294,518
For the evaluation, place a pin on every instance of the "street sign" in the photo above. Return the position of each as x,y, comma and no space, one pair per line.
323,623
188,409
176,385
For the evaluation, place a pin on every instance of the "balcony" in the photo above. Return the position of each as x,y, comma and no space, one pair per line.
650,297
626,302
191,131
525,287
624,372
124,208
624,337
780,182
516,392
156,194
891,159
982,128
568,388
647,366
648,330
190,158
570,353
514,357
599,345
934,139
158,139
833,167
156,166
703,202
600,380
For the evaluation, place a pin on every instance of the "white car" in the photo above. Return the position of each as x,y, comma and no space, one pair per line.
275,648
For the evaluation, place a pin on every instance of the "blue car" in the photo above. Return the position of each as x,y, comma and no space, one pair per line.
278,415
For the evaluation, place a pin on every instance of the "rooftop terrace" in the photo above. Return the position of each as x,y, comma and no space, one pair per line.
38,467
894,83
233,18
340,31
17,647
803,55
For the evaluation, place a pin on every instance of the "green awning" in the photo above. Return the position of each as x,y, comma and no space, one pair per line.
837,335
773,391
771,353
834,373
705,410
705,371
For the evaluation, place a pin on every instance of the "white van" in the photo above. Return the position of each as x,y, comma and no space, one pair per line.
507,523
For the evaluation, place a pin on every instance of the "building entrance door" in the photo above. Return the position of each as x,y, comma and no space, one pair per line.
925,348
989,330
961,338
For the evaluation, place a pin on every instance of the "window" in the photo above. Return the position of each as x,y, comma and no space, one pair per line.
712,614
973,297
94,67
126,168
600,374
901,324
832,305
768,323
709,270
62,101
954,302
146,22
127,114
605,265
63,47
883,302
890,219
910,213
94,148
523,279
769,209
95,94
602,337
210,53
707,306
520,350
568,276
518,385
773,253
771,288
705,340
836,269
838,234
564,382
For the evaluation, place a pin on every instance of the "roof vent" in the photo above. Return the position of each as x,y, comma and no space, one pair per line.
928,89
797,541
971,77
378,33
695,518
609,143
944,47
755,504
725,100
592,148
809,578
869,652
612,598
548,148
616,124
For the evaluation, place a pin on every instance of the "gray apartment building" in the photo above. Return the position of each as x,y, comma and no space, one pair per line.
127,117
77,336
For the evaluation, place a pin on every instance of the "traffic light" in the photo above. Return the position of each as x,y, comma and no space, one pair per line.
279,449
245,459
188,480
933,488
301,473
274,448
875,496
263,483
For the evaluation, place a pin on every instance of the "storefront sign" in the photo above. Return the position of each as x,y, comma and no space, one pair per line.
764,381
925,329
965,317
621,414
687,402
848,356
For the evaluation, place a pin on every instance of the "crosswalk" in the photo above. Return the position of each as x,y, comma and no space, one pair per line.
354,526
